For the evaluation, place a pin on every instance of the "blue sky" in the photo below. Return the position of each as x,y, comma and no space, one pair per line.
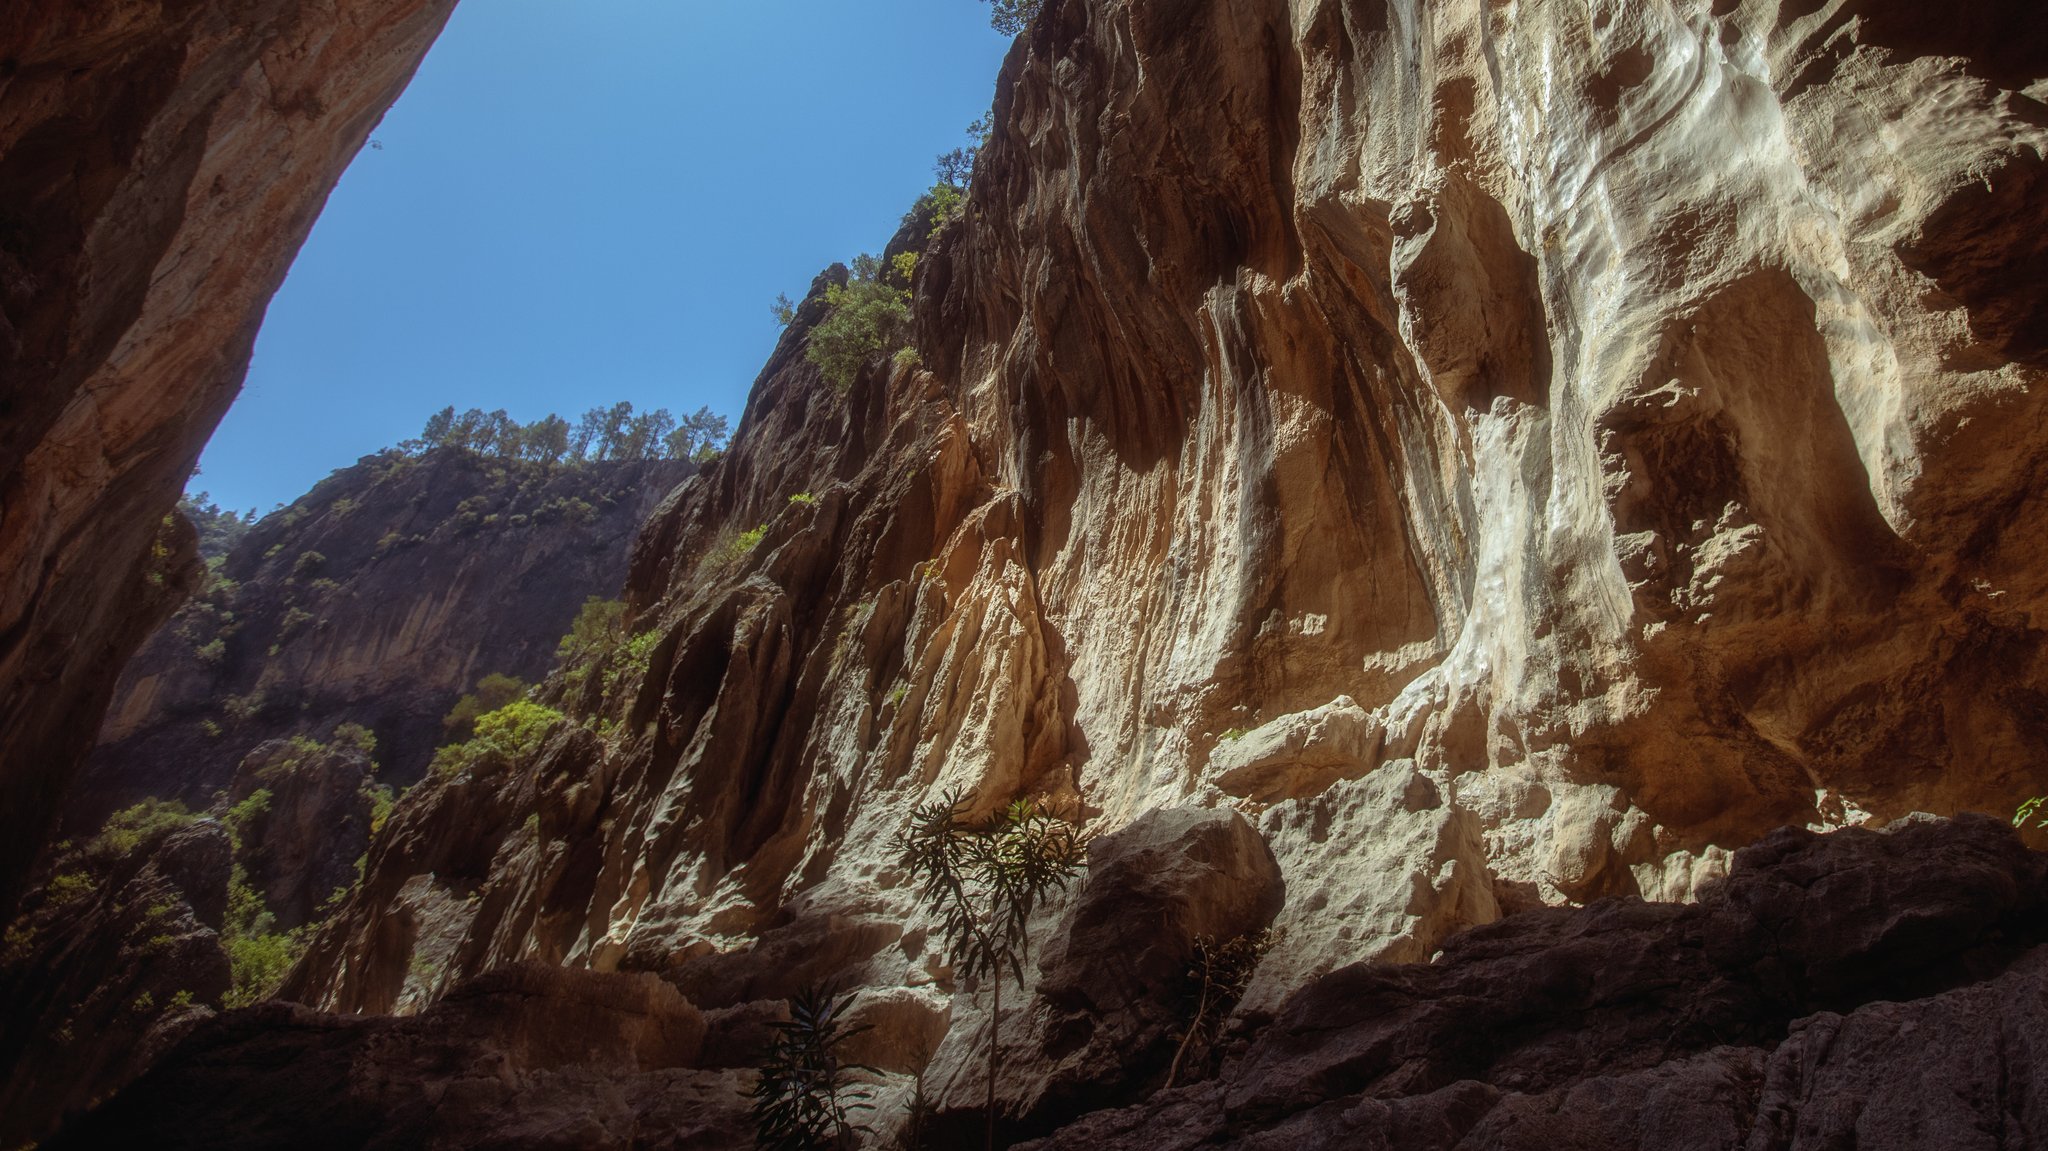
583,201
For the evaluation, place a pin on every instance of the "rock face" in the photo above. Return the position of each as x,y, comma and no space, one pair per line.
114,955
1881,989
1512,456
530,1056
378,599
161,164
1876,990
1505,454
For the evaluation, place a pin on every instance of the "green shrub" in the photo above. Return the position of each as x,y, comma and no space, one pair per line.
308,565
356,736
212,652
69,888
804,498
381,802
241,815
802,1098
130,828
736,547
294,619
502,737
492,692
242,708
982,881
867,318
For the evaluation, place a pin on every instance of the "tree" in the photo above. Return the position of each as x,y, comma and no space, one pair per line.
802,1099
982,881
436,432
547,439
1011,17
697,435
646,435
492,692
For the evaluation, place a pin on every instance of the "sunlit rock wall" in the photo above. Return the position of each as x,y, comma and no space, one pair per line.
1511,453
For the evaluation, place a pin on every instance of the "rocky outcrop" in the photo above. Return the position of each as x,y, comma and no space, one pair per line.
115,954
1880,990
530,1056
378,599
1510,456
160,164
307,836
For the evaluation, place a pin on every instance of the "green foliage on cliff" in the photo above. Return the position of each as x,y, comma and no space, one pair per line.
869,315
1011,17
131,827
606,434
259,955
219,531
503,737
492,692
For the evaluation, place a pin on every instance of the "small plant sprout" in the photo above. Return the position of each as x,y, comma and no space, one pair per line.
982,881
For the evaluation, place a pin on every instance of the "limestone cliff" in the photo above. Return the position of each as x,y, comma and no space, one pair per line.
1379,467
378,598
1510,454
160,164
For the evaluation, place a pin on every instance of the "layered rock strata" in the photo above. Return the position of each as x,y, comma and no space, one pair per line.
160,164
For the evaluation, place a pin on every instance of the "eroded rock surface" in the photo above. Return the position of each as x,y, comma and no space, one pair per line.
160,164
1512,456
115,954
1880,990
1508,454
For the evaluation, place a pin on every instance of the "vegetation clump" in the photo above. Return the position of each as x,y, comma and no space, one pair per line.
1217,978
501,738
492,692
1012,17
867,317
219,531
131,827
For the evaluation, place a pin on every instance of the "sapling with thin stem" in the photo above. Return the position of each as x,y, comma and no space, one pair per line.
982,880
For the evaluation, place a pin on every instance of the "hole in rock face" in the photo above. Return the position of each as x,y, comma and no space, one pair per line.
1984,247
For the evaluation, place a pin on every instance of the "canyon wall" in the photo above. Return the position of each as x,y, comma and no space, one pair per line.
1503,454
378,598
160,164
1377,466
